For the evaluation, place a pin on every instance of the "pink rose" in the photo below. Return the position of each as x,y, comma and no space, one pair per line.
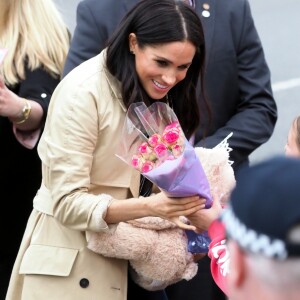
177,150
171,136
161,150
147,151
174,124
144,148
154,139
137,161
147,166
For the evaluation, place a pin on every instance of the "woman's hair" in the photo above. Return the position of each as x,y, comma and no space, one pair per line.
156,22
36,35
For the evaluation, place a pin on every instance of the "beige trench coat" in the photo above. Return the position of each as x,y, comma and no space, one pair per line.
80,170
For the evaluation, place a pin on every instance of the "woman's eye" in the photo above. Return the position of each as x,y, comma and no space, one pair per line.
184,67
162,63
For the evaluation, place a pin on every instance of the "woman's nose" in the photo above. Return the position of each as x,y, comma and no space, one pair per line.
169,77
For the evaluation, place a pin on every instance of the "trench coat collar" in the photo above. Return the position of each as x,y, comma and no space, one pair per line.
114,83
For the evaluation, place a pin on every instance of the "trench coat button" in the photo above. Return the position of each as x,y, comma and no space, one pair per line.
84,283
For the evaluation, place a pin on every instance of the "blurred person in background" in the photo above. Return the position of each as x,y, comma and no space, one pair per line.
37,41
237,84
292,146
263,232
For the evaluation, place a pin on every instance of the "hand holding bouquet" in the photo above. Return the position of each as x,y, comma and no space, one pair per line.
154,143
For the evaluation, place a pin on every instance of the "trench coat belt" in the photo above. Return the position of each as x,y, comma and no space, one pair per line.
43,201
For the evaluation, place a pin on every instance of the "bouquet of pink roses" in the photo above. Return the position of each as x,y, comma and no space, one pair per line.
159,148
154,143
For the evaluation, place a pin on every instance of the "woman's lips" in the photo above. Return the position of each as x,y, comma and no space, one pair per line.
160,86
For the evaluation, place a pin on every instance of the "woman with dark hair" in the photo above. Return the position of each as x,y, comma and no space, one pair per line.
156,54
163,28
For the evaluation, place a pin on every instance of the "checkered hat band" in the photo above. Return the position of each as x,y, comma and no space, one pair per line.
251,240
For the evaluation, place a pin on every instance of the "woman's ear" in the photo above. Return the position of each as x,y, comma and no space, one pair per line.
132,43
237,267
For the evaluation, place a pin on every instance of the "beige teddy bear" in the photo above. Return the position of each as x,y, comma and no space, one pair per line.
156,248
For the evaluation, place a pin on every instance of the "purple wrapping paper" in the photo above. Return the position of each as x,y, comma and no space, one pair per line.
182,177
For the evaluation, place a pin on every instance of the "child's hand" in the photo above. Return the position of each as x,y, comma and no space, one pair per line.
202,218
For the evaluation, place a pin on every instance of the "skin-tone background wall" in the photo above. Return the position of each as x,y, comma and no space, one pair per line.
278,24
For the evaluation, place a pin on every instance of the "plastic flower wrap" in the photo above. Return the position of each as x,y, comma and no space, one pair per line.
153,142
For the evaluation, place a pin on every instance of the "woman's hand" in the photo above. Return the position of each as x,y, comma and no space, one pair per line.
202,218
172,208
10,104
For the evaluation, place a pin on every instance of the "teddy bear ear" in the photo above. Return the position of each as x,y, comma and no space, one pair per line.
190,271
